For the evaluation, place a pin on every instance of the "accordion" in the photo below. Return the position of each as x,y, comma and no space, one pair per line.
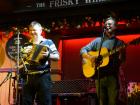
35,57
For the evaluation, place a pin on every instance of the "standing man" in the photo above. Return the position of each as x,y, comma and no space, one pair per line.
106,75
38,73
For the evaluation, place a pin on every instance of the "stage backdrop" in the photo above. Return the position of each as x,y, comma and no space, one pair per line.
71,59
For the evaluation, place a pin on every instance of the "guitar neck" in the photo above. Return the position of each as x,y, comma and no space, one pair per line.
114,50
133,42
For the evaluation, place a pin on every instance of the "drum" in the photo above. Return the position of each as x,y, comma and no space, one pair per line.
12,45
35,57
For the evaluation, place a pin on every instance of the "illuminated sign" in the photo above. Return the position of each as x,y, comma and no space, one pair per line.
52,4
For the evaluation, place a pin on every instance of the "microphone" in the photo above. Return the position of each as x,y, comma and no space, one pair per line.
46,29
105,28
14,28
104,31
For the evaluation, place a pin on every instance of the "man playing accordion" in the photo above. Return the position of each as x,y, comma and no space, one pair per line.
38,54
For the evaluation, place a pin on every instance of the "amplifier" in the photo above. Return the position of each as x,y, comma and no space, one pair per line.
79,91
73,87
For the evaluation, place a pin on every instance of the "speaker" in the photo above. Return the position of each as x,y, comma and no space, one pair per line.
73,86
74,92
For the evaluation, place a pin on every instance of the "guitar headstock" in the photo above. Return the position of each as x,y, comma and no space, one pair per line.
135,41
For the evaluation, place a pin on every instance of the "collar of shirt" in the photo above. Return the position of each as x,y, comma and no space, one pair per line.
112,37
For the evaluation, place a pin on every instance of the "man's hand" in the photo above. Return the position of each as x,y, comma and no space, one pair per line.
45,53
27,49
88,56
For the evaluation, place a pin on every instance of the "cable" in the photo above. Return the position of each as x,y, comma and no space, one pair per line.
6,78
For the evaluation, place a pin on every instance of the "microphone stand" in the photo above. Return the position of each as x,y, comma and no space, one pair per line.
17,72
19,57
10,77
97,64
25,68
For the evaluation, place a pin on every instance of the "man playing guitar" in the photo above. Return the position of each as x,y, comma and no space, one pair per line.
107,66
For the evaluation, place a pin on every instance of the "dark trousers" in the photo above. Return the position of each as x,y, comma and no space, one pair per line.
109,89
40,85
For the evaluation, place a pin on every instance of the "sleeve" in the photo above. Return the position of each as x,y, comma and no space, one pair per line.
92,46
52,49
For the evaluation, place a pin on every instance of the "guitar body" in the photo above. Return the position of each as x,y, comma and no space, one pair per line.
89,65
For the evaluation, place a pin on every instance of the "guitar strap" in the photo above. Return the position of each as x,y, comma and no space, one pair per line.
115,43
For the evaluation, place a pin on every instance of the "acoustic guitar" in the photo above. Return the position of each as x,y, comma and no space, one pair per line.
89,64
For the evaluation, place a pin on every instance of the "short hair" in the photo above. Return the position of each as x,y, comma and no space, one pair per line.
33,23
111,18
